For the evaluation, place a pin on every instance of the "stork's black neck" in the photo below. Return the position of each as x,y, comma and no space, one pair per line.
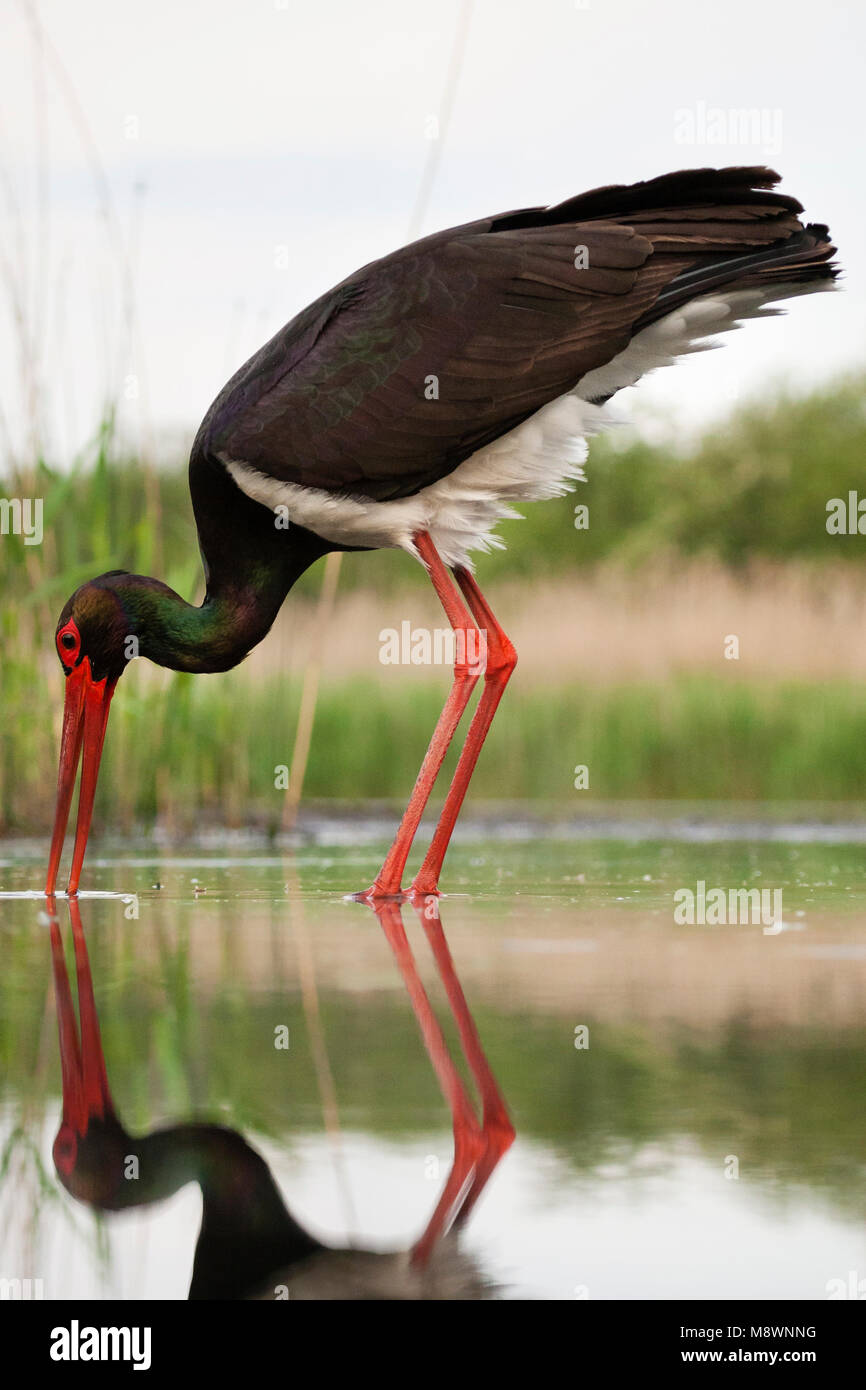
239,608
247,1233
250,564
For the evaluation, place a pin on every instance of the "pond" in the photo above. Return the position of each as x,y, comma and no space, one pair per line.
687,1096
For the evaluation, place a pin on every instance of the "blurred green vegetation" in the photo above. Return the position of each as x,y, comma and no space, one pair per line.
208,751
756,489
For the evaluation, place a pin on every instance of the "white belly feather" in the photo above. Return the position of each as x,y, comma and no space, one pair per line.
541,458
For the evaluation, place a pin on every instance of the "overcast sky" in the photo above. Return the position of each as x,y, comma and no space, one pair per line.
256,151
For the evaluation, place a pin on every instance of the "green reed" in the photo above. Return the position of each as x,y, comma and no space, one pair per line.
177,747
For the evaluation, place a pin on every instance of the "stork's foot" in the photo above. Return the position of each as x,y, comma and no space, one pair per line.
380,893
421,887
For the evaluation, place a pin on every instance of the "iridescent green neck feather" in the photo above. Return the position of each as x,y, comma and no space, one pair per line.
233,618
213,637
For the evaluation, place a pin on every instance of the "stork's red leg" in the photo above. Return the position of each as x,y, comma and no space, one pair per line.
501,661
466,674
469,1142
497,1129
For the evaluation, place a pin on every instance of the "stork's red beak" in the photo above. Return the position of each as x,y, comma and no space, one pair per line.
85,716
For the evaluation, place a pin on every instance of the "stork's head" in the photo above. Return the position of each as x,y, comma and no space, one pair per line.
91,1156
94,644
95,625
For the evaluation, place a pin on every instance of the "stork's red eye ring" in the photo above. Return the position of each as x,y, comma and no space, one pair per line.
68,643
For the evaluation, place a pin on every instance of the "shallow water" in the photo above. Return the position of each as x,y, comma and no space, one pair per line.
709,1140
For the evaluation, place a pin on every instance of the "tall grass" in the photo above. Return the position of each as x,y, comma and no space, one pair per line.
209,751
758,490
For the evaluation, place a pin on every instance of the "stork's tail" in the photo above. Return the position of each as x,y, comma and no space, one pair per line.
802,262
725,244
731,227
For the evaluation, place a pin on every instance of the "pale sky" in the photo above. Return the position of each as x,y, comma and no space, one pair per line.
257,151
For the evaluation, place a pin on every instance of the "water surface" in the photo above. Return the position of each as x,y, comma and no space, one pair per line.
705,1138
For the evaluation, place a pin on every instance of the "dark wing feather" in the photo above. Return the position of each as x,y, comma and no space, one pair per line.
496,311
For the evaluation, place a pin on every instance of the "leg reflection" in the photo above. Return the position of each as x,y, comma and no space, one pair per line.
479,1144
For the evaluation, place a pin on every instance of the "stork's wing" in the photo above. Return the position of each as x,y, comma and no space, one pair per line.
392,379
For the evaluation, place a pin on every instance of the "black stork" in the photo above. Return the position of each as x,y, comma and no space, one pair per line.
250,1246
410,407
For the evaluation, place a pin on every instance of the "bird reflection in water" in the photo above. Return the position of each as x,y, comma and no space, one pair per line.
249,1245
